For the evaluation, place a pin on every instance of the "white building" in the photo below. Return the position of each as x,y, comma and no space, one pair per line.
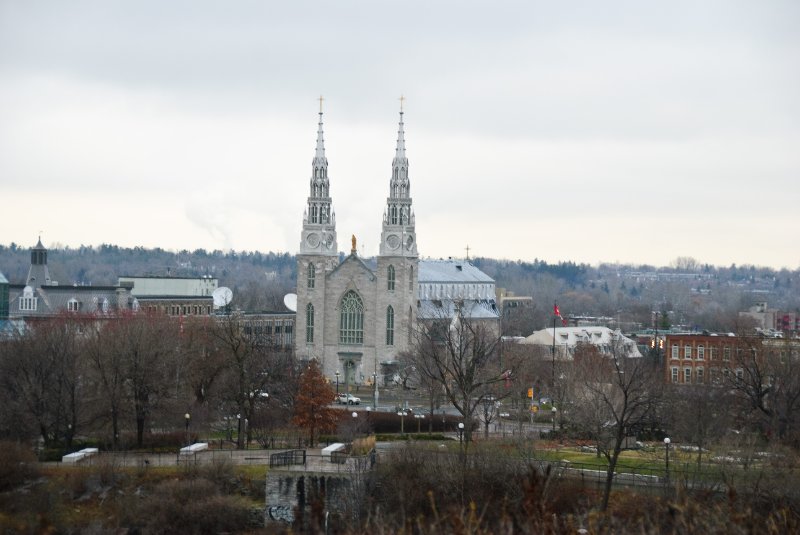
568,339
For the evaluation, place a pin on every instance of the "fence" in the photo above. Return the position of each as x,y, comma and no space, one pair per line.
287,458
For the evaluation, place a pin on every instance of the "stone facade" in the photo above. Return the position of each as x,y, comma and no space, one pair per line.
356,316
351,316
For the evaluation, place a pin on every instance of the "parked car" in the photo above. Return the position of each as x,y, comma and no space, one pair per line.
349,399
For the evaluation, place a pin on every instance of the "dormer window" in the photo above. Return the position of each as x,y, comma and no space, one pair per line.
28,302
73,305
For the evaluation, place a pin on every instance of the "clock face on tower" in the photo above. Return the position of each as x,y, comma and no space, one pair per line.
312,239
393,241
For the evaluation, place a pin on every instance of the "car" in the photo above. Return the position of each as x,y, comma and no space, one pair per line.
349,399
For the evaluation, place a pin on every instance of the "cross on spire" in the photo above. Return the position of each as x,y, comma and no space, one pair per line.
467,252
320,103
401,99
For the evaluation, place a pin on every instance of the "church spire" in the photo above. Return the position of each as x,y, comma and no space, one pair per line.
319,157
400,152
319,220
399,237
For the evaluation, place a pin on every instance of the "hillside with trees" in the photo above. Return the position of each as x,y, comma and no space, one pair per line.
688,292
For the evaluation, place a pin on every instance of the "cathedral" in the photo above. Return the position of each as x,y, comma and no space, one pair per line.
354,316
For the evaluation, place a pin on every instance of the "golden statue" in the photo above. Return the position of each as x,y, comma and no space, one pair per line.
353,240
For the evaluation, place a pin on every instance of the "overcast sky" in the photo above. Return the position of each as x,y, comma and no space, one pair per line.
585,131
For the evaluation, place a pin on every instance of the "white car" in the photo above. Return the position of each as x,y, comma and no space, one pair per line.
349,399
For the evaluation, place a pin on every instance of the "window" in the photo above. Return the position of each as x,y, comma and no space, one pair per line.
687,375
701,354
73,305
389,325
726,353
309,323
699,375
676,352
687,352
311,275
739,374
390,278
675,373
28,302
713,353
351,319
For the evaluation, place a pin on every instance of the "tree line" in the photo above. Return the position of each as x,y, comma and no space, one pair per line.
119,379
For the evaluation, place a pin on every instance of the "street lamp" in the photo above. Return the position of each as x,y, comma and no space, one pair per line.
337,382
419,418
186,418
666,451
402,415
461,434
375,391
554,411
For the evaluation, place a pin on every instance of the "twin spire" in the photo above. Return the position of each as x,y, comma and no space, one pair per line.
319,221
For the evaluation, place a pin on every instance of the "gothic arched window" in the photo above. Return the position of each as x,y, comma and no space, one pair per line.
389,326
351,319
390,278
309,323
311,275
394,214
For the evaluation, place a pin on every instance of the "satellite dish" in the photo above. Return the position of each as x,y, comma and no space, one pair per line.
290,300
222,296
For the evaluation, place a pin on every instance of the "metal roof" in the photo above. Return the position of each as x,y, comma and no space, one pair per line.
450,271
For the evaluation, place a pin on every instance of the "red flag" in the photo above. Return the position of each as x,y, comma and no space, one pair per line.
556,312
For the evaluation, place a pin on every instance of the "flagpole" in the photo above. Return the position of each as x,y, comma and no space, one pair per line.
553,353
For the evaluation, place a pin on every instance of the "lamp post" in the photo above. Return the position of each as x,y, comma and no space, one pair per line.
419,418
239,431
666,451
187,417
402,415
375,391
554,411
337,382
461,434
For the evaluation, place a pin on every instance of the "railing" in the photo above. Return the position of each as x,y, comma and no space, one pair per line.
287,458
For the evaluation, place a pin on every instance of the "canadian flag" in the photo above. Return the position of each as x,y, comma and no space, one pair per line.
556,312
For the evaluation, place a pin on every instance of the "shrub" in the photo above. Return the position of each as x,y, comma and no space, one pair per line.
193,506
17,463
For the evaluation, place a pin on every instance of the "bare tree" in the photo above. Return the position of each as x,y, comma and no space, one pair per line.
699,414
146,346
765,374
614,395
245,376
39,376
107,377
461,355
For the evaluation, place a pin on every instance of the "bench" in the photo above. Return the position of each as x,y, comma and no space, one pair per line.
327,452
197,447
73,458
